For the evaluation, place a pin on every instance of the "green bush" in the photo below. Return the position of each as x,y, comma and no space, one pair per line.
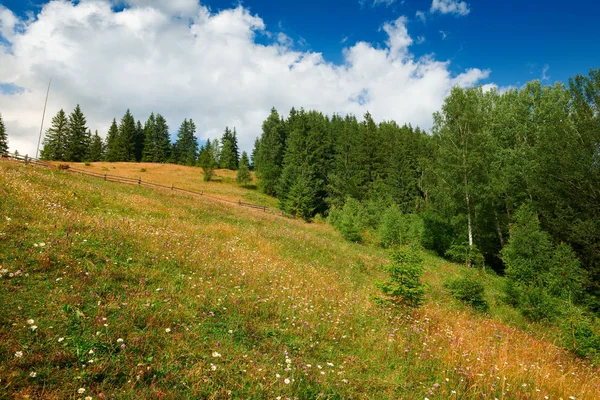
540,276
438,233
470,291
396,228
351,220
537,305
463,253
585,343
404,285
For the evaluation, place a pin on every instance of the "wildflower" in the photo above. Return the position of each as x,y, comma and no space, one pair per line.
33,327
330,364
286,381
88,398
42,244
19,354
230,331
91,351
119,340
277,376
215,354
33,374
81,390
213,367
30,322
168,330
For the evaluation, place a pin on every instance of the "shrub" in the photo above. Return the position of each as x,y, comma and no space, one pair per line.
396,228
351,220
437,233
142,169
537,305
538,273
391,227
404,285
87,163
463,253
470,291
585,342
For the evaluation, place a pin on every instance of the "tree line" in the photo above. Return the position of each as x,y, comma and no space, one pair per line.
69,139
526,160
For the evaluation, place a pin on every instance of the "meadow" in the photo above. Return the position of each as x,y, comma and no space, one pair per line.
116,291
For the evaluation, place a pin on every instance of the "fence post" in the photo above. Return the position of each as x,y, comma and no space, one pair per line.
265,209
202,193
105,176
139,181
26,159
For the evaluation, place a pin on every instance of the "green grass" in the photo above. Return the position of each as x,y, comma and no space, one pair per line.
139,293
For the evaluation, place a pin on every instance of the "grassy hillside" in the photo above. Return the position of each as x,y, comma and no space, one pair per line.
141,293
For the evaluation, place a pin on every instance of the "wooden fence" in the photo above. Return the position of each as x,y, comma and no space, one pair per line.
131,181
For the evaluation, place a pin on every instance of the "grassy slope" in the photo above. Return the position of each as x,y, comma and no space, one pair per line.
218,301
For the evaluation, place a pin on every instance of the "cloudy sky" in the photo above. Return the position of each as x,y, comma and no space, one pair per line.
226,63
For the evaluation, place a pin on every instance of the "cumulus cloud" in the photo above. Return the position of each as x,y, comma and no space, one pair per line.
206,66
450,7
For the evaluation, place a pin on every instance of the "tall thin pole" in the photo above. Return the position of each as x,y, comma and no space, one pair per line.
43,115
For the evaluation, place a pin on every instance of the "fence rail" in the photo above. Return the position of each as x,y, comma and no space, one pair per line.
132,181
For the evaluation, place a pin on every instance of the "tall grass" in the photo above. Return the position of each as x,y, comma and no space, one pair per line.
136,293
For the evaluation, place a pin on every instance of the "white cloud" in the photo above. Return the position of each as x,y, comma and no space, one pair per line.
450,7
444,35
207,66
420,39
545,76
421,15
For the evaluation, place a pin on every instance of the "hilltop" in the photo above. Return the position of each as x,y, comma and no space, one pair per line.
131,292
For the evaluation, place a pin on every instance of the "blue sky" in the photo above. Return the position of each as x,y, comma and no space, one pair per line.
516,39
225,63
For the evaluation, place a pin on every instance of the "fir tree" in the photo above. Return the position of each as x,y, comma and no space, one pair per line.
149,153
186,146
243,175
78,139
96,148
163,140
3,138
112,143
157,145
139,139
207,160
229,151
269,155
55,140
126,138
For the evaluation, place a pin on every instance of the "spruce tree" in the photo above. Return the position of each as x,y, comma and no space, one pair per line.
3,138
229,151
162,141
139,139
96,152
151,140
207,161
78,139
55,140
126,138
186,146
112,143
270,153
243,176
